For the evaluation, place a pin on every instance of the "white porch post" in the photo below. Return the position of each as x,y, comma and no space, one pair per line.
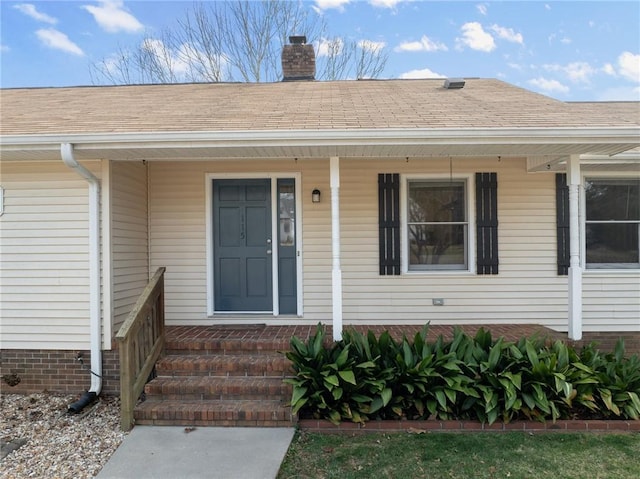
336,272
575,267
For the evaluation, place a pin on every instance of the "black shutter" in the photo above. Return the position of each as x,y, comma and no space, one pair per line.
389,222
487,223
562,223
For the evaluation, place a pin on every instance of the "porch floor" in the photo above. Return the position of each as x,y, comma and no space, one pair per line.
262,337
278,337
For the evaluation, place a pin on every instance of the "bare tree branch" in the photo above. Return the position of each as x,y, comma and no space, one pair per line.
236,40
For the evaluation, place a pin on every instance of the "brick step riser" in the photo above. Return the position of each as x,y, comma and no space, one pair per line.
172,373
226,347
221,352
222,367
204,414
199,396
247,413
281,392
213,423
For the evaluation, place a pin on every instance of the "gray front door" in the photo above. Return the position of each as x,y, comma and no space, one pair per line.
242,245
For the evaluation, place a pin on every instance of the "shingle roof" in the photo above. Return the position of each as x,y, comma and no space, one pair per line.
368,104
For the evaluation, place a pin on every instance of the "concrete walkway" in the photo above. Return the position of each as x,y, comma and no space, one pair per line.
176,452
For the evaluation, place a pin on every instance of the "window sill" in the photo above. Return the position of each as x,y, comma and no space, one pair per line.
614,271
445,272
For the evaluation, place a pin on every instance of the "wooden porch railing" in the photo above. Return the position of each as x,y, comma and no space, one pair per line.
140,341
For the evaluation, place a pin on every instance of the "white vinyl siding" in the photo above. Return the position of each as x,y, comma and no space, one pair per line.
178,232
611,301
129,237
44,272
527,289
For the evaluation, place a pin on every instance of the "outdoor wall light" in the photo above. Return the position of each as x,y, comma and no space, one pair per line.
315,196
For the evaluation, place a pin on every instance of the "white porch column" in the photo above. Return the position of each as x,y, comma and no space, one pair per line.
336,272
575,267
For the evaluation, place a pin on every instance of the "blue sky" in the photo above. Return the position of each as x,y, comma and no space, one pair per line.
569,50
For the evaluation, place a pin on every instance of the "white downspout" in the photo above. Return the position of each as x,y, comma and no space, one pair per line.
575,267
336,273
66,152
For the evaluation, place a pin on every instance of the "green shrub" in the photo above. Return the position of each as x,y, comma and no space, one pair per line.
365,377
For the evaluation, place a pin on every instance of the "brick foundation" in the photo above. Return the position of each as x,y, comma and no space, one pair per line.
606,342
56,371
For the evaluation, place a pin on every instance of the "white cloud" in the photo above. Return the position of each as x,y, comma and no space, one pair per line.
564,40
424,45
476,38
547,6
384,3
326,46
322,5
371,46
113,18
482,8
174,59
507,34
4,48
620,94
31,11
609,69
629,66
551,86
424,73
57,40
579,72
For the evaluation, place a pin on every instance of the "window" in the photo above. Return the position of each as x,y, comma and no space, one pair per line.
612,223
437,225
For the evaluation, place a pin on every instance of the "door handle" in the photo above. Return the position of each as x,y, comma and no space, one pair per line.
268,251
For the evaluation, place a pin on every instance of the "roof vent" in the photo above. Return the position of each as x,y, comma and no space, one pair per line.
454,83
298,59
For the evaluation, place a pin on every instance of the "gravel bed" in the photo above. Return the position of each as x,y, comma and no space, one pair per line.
53,443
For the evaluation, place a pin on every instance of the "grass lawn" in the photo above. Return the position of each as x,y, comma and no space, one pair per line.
469,455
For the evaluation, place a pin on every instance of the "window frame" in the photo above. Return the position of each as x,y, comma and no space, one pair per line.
600,267
469,182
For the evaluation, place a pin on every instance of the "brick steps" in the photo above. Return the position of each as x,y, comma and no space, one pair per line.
229,381
248,364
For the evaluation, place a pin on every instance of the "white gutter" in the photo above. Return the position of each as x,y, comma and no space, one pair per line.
465,136
66,152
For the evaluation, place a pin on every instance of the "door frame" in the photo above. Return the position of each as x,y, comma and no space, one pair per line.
209,179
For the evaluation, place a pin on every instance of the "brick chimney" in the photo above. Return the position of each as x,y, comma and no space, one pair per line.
298,60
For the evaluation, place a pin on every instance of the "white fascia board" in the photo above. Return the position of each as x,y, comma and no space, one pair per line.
265,138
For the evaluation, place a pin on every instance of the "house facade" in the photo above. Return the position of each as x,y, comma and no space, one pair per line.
351,202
